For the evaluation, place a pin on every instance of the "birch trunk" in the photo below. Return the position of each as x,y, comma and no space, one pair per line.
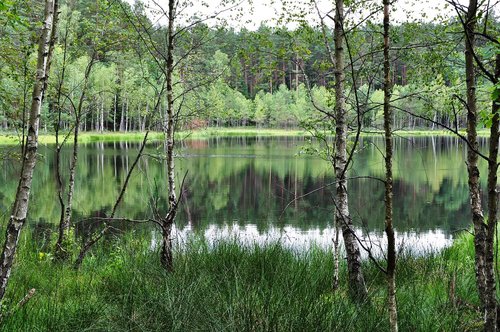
21,202
166,258
357,285
122,116
389,230
480,228
143,127
490,287
114,115
101,120
126,116
336,254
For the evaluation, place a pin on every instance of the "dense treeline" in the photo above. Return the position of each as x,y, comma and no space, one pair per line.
269,77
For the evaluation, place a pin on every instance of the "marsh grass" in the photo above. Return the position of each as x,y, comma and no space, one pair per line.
228,287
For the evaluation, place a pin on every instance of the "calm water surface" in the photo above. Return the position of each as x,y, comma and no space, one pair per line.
245,188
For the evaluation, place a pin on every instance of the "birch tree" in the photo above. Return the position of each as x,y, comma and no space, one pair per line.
389,230
483,232
21,202
356,278
339,155
484,228
167,221
161,42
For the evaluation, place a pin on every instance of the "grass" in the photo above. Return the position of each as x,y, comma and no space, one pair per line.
228,287
88,137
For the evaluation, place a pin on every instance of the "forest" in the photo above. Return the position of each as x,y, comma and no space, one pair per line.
263,78
187,166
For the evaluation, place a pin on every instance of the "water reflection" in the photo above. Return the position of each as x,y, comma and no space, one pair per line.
301,240
243,184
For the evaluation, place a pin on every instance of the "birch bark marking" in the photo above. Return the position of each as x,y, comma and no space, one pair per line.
389,230
166,258
490,286
472,157
21,202
357,285
483,233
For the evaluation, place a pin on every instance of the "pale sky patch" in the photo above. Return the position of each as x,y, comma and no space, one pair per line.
251,14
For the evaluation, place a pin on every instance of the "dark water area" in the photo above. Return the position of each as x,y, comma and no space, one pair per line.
261,189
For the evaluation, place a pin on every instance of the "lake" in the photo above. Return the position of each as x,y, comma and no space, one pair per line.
245,187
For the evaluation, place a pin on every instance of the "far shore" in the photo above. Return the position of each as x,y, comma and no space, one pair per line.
10,138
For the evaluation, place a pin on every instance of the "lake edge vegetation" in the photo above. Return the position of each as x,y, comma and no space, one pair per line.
230,286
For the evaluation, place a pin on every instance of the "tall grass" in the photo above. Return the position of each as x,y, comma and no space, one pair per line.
228,287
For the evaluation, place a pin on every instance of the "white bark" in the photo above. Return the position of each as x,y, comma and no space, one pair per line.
21,202
356,279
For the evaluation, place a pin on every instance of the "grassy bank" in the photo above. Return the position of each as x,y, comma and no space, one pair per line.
231,288
88,137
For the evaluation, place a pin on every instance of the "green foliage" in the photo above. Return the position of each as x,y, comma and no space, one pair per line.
486,118
495,93
229,78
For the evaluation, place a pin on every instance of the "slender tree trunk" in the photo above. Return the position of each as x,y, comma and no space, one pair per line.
21,202
389,230
114,114
283,72
166,258
491,301
126,117
166,254
271,83
62,252
480,228
57,126
101,126
296,73
122,116
357,285
336,254
143,127
60,194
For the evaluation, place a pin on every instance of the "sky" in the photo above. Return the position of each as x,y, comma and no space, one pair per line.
251,16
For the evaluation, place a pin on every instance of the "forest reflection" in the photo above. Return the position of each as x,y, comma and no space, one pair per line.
261,186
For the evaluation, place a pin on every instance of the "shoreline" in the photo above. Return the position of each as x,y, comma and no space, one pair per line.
92,137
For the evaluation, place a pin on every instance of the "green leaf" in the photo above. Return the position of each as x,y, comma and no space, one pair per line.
486,118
